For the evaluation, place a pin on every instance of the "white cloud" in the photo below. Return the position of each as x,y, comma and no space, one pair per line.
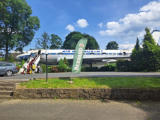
100,25
70,28
156,36
133,25
82,23
126,46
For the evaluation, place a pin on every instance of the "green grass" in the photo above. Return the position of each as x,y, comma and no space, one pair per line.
109,82
1,59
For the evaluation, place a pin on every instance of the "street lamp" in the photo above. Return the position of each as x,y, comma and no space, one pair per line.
155,31
46,66
156,40
152,35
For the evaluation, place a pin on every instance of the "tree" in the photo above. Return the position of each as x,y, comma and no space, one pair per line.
151,53
112,46
49,41
73,38
136,58
148,57
17,26
137,46
56,42
44,41
92,43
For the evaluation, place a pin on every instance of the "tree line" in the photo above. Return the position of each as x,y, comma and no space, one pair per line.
144,58
53,41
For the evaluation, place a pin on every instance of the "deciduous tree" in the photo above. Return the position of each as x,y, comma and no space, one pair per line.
113,45
47,41
17,26
73,38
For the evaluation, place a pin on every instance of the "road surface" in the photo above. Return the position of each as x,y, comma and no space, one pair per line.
78,110
83,74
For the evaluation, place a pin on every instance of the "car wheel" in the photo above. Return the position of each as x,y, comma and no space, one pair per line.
9,73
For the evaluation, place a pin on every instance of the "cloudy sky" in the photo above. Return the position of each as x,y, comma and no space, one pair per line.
106,20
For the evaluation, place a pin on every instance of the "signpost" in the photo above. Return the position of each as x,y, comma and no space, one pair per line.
46,66
78,56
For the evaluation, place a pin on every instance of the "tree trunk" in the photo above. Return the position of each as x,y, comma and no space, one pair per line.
91,65
6,49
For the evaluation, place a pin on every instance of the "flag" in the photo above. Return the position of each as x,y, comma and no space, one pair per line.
78,56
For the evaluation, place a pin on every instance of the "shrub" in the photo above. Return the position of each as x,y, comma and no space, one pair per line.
108,68
43,66
123,65
11,58
54,69
63,67
90,69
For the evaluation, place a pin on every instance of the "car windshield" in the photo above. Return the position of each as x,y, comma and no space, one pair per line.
5,64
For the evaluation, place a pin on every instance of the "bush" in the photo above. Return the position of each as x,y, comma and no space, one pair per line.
108,68
63,67
90,69
123,65
43,66
54,69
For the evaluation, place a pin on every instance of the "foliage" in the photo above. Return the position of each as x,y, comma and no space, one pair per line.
99,82
51,69
43,42
148,57
143,59
92,43
22,62
136,58
108,68
17,26
151,53
90,69
137,46
54,69
63,66
73,38
43,66
49,41
2,59
56,42
123,65
11,58
113,45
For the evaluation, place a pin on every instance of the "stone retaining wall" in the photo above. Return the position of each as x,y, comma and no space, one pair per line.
114,94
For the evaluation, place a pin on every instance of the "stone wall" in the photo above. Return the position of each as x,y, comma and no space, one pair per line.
114,94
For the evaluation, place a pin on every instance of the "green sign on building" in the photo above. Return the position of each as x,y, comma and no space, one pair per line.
78,56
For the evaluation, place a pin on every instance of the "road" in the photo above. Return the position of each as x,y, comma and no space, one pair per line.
83,74
78,110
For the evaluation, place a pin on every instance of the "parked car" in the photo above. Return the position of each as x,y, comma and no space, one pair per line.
7,68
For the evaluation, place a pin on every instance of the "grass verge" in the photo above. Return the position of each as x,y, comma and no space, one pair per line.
108,82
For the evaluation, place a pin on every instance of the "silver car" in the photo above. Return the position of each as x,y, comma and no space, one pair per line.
7,68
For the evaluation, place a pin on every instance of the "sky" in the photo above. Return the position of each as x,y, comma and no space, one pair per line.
106,20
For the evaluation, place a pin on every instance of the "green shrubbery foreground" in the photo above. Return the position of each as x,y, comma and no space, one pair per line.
62,67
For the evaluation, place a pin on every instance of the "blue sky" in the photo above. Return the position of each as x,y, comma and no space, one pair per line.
106,20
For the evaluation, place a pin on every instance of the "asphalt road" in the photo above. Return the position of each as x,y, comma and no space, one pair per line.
83,74
78,110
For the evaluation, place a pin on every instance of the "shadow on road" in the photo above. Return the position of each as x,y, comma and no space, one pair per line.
151,108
